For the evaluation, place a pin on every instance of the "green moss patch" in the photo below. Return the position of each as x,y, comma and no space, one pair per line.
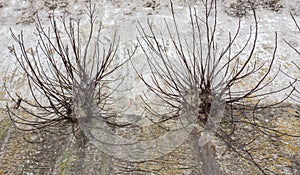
4,127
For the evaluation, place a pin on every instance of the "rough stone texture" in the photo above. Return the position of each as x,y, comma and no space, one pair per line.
241,8
55,152
58,152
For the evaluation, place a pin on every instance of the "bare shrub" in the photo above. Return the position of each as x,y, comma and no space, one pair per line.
296,95
204,79
63,65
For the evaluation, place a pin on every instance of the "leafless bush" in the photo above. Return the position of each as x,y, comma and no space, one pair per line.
296,95
61,66
201,77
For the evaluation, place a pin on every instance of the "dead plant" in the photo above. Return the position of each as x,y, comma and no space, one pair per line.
193,73
61,68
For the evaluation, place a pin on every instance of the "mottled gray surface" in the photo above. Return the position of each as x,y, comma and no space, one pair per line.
58,152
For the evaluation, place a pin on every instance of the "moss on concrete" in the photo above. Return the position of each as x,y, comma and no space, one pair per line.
4,127
65,164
